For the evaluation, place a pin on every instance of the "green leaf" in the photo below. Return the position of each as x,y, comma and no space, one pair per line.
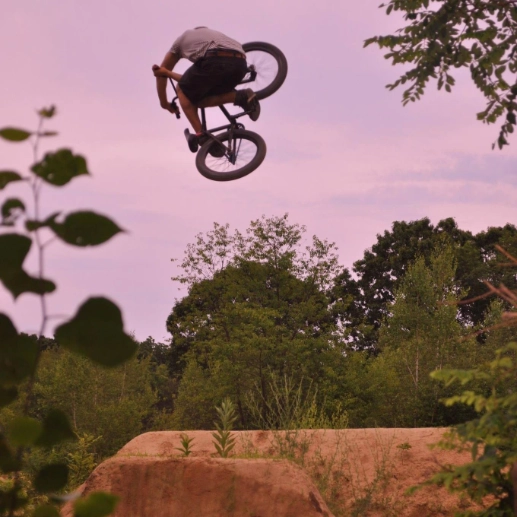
20,282
32,225
8,177
46,511
51,478
98,504
14,134
47,112
85,229
18,354
24,431
13,250
96,331
11,209
7,395
59,167
56,429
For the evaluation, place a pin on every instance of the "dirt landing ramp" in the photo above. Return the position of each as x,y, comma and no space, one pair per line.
204,487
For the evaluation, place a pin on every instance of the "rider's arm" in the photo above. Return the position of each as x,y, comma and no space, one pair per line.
169,61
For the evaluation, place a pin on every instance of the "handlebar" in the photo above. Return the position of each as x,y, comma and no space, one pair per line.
175,107
173,102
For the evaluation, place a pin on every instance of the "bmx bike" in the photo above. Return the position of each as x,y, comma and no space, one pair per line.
231,151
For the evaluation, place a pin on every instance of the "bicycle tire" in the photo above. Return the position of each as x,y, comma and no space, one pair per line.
207,164
271,68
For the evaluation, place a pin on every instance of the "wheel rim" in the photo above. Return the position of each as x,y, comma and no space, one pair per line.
266,67
245,152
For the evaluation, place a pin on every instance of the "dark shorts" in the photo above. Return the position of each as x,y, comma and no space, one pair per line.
212,76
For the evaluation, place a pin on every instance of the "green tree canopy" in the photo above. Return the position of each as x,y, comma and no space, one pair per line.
263,310
421,334
108,403
378,274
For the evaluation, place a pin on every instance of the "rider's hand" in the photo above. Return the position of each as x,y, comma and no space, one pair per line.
160,71
168,107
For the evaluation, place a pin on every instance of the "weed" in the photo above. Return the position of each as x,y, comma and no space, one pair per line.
404,449
369,493
185,448
248,449
224,440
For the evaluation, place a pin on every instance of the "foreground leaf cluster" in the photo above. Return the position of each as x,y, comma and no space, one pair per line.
491,437
95,331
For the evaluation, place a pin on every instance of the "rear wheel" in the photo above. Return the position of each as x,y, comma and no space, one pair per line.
267,68
242,153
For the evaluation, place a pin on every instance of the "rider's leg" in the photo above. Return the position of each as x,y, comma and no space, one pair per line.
246,99
217,100
190,111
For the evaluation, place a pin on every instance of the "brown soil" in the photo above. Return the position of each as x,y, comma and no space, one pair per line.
356,472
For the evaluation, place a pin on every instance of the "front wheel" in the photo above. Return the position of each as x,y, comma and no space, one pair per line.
267,68
241,152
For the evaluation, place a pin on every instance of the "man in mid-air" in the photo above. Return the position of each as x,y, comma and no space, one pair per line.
219,66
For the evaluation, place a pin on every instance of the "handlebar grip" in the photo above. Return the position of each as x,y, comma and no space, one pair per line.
175,107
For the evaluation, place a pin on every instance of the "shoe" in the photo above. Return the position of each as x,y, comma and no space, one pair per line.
216,150
247,100
202,139
255,111
192,140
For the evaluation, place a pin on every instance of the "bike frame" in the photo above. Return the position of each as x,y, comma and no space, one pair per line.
230,149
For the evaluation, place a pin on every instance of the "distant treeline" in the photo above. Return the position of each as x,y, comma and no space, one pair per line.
273,321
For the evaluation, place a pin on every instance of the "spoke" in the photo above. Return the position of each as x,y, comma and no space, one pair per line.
266,67
245,150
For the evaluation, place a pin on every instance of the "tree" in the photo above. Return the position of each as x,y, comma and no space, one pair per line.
380,271
421,335
479,261
265,311
108,403
442,35
245,326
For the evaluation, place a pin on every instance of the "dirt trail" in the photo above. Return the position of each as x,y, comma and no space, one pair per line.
358,472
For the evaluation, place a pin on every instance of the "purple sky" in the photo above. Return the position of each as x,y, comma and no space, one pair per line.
344,158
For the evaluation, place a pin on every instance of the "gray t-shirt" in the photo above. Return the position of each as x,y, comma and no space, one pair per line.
193,44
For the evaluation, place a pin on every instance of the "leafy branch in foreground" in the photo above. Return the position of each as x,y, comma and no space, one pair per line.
491,438
96,330
490,478
442,35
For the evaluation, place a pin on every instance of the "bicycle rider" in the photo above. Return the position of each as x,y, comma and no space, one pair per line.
219,66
